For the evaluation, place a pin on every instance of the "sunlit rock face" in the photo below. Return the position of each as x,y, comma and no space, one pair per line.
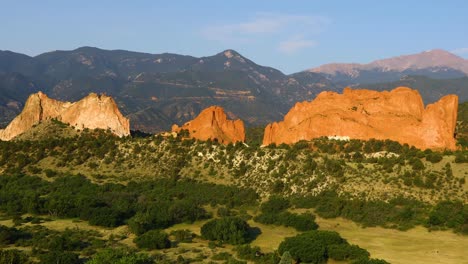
212,123
397,115
93,111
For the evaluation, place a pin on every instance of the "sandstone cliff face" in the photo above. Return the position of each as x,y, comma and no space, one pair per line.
398,115
93,111
212,123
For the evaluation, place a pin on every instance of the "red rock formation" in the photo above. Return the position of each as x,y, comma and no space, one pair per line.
93,111
212,123
398,115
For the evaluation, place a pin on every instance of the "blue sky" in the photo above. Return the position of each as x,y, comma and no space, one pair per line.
288,35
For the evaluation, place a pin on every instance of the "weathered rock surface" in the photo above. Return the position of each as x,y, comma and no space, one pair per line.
93,111
398,115
212,123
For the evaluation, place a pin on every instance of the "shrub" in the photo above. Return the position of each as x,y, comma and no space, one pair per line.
232,230
140,223
461,157
119,256
335,167
301,222
434,157
104,216
310,246
186,211
275,205
346,251
286,258
247,252
183,236
60,257
154,239
304,250
417,164
223,212
317,246
13,256
9,235
65,241
452,214
370,261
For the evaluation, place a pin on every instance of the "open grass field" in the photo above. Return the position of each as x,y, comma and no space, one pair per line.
415,246
271,236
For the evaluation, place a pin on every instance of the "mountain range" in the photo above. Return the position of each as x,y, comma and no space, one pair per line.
157,90
437,63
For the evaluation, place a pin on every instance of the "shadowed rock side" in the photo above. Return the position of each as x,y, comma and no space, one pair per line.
398,115
212,123
93,111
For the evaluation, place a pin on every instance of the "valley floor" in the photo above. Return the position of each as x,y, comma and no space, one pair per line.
414,246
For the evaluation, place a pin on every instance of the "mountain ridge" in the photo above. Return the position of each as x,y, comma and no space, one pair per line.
436,63
158,90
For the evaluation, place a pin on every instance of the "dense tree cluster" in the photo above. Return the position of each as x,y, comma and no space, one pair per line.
449,214
145,205
120,256
154,239
398,212
49,246
404,213
274,212
72,151
318,246
232,230
13,256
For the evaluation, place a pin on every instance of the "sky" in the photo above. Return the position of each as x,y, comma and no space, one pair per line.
288,35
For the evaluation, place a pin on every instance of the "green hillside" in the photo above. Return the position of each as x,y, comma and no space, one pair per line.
73,195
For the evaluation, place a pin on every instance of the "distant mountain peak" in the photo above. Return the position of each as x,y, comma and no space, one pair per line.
87,48
431,60
229,53
426,59
434,50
